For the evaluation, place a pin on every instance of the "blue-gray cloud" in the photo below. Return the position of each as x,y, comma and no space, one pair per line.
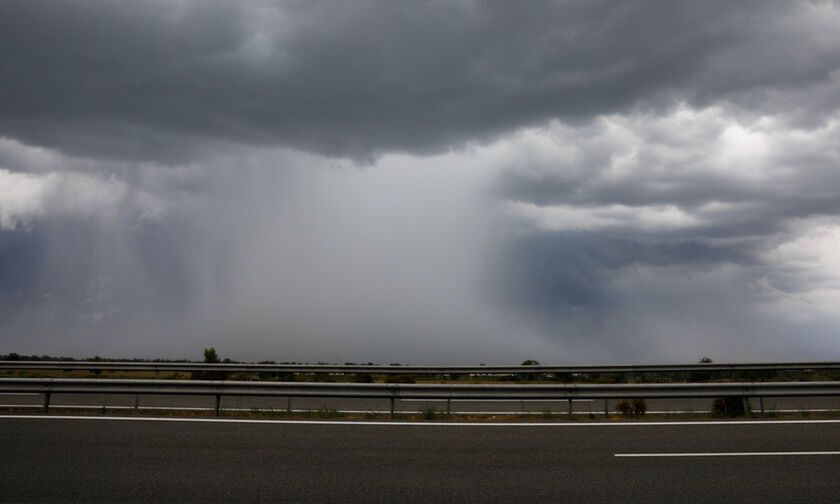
424,181
157,80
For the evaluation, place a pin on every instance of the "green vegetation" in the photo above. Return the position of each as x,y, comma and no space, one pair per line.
211,357
636,407
429,412
728,407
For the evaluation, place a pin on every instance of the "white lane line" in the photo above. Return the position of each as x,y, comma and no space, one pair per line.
727,454
564,401
419,424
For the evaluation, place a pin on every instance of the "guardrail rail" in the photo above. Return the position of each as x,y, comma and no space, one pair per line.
416,370
394,391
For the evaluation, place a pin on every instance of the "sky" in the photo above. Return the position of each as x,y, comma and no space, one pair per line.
423,182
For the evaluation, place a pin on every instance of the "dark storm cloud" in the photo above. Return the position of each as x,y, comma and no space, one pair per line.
161,80
568,180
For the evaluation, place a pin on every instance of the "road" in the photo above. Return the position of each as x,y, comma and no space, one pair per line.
580,407
53,459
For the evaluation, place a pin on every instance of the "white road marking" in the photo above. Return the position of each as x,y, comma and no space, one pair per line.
419,424
727,454
564,401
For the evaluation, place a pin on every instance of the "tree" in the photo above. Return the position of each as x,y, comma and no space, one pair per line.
530,376
210,356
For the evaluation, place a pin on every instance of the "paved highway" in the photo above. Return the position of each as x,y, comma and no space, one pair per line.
580,407
53,459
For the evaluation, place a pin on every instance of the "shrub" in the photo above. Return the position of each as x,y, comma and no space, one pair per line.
636,407
429,412
624,407
728,407
639,406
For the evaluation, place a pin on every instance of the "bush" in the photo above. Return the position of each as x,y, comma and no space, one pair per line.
624,407
728,407
636,407
429,412
639,406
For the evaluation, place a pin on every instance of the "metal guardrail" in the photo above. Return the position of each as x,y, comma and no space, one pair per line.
448,392
416,370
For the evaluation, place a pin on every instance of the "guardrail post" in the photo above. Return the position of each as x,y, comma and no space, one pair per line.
47,401
289,405
136,402
761,405
392,406
218,403
746,401
570,406
448,406
606,407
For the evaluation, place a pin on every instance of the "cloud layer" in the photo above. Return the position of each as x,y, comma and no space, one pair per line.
159,80
420,182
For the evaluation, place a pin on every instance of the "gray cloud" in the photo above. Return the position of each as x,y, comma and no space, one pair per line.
571,181
285,257
162,81
649,211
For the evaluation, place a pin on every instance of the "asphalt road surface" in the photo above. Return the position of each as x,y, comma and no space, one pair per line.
53,459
